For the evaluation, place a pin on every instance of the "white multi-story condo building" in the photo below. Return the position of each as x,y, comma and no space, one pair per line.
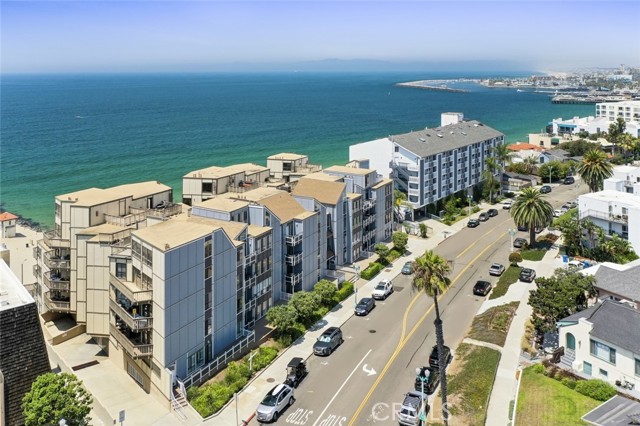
629,110
616,209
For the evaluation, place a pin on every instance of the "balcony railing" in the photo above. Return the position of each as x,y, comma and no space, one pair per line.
133,348
36,252
53,240
36,270
294,279
56,305
56,283
610,217
293,259
134,323
170,210
293,240
55,262
131,290
125,221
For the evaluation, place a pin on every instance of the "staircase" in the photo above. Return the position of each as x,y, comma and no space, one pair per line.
566,360
178,401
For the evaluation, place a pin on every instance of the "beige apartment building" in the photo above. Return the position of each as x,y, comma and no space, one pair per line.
290,167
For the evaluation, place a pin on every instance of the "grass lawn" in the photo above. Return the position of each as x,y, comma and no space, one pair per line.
493,325
533,254
543,401
509,277
471,386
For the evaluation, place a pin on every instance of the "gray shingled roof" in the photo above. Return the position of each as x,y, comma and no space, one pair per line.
521,176
623,283
427,142
618,324
614,412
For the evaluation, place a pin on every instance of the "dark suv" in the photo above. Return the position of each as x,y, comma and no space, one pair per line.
433,358
569,180
431,378
527,275
482,288
545,189
328,341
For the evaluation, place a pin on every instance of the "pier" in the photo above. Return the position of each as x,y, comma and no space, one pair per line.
585,100
426,86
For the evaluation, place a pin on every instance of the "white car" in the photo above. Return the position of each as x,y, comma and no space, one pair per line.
496,269
382,290
557,213
506,205
276,401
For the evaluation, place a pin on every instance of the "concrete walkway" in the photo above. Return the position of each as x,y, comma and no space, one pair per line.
504,387
481,343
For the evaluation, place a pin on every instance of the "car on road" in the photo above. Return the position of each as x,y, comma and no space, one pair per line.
407,269
483,217
557,213
412,409
565,208
433,358
545,189
428,379
482,288
328,341
569,180
519,243
492,212
571,204
274,403
382,290
522,228
496,269
473,223
527,275
364,306
506,205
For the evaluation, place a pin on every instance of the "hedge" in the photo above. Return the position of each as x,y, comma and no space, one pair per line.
596,389
372,270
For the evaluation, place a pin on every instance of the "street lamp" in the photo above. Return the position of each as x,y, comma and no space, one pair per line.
512,232
422,378
355,284
469,198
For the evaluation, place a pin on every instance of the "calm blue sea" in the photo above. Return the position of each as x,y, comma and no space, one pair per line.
61,133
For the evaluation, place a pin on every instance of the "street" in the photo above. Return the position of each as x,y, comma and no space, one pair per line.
365,379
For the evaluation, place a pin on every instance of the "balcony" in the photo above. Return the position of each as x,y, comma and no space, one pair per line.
293,279
55,305
133,322
609,217
56,262
134,347
131,290
162,212
53,240
293,240
36,252
56,283
37,271
293,259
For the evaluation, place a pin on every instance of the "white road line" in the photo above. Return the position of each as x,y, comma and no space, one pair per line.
345,382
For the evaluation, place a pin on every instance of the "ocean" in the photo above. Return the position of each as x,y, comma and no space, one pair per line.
62,133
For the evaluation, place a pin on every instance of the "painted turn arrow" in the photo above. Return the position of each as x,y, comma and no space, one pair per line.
369,372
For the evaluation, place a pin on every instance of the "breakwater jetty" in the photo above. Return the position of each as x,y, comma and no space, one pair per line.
585,100
435,85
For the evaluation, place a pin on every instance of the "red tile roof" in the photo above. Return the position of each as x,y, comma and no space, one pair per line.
7,216
523,146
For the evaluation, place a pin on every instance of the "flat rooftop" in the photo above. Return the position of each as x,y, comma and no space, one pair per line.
225,204
12,292
286,156
611,195
96,196
349,170
216,172
323,176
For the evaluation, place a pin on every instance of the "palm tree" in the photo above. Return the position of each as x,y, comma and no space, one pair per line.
489,177
594,169
503,156
532,210
616,247
531,164
430,275
616,129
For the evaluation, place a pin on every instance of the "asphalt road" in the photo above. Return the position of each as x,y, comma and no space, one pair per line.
365,379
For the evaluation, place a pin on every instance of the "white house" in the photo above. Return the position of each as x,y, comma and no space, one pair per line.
624,179
603,342
8,225
617,282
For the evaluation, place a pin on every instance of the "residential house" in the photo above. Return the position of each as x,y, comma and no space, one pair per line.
617,282
290,167
8,225
516,182
624,179
522,151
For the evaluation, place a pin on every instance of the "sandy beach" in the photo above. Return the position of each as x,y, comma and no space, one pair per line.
21,259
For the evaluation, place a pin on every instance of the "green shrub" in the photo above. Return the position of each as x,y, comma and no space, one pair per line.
265,355
596,389
345,291
538,368
570,383
372,270
475,209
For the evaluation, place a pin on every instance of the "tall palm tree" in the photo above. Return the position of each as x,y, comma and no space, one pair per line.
489,176
503,155
594,169
531,164
532,210
430,275
616,247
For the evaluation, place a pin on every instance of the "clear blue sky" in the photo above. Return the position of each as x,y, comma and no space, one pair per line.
57,36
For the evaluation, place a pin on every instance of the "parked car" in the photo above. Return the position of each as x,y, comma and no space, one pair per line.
519,243
382,290
296,371
569,180
328,341
557,213
433,358
473,223
545,189
430,380
364,306
274,403
483,217
407,269
571,204
496,269
527,275
492,212
506,205
565,208
482,288
522,228
412,408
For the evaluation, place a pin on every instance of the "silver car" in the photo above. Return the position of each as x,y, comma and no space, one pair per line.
276,401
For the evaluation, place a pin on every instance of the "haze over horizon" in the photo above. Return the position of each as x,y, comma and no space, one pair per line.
201,36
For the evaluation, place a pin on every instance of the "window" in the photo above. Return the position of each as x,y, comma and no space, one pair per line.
603,352
604,374
587,368
637,367
135,246
147,256
207,248
121,270
207,272
207,187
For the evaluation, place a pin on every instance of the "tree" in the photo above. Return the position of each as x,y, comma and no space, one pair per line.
282,317
400,240
531,163
305,303
489,176
531,210
382,251
616,130
579,147
423,230
430,275
594,169
557,297
54,397
617,250
503,156
515,258
326,290
553,170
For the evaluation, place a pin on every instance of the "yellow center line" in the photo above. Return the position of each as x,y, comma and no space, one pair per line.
483,235
403,341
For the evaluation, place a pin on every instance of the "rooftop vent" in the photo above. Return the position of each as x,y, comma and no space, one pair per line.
439,135
464,133
475,124
422,139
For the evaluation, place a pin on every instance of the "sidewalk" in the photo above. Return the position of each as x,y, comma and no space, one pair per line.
253,393
504,387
